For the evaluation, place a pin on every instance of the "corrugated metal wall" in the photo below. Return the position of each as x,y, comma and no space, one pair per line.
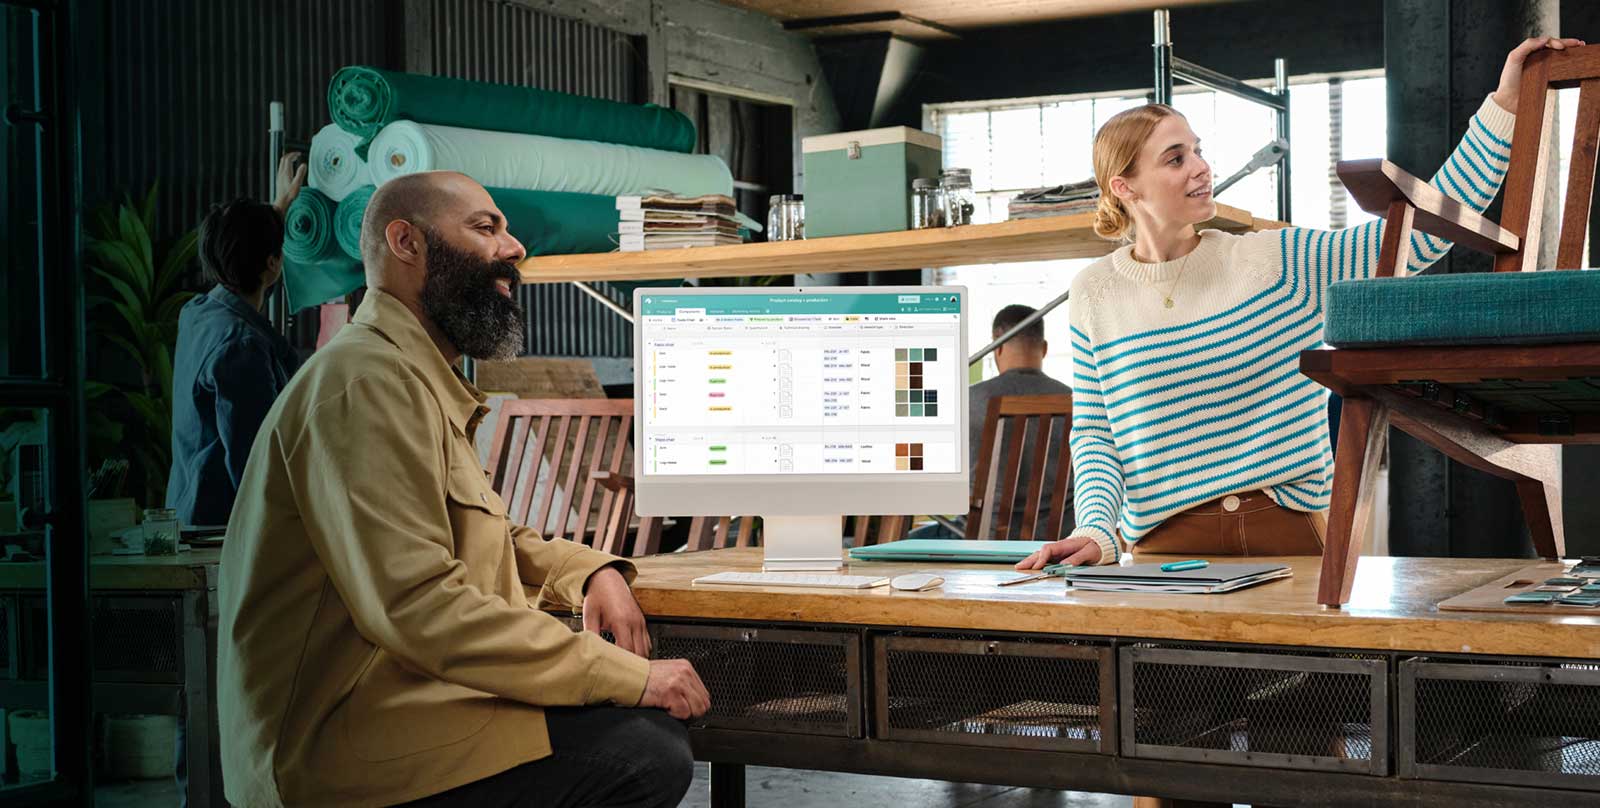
187,84
491,40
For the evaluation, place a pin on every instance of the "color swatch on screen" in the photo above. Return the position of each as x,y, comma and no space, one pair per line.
911,370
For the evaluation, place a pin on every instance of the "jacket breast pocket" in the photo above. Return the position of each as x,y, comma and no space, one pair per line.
478,523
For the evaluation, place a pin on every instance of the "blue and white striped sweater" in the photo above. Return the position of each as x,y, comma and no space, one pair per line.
1176,407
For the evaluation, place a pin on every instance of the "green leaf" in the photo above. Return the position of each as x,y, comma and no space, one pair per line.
138,239
180,256
168,310
93,390
119,260
133,353
148,407
163,371
129,296
147,211
136,323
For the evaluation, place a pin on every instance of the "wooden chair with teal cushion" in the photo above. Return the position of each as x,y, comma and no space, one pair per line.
1489,368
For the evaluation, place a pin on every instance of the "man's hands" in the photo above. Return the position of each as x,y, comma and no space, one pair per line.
675,687
1511,75
608,605
290,178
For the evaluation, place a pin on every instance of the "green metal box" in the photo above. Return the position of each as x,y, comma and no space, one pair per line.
860,182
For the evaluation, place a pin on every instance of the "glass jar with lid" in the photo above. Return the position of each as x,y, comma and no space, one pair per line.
927,204
960,203
160,532
786,217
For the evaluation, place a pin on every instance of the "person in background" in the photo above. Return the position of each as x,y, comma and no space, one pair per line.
1021,364
230,363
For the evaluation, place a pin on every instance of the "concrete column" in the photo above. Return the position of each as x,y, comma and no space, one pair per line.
1442,57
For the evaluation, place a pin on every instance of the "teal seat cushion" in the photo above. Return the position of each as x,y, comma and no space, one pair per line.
1487,308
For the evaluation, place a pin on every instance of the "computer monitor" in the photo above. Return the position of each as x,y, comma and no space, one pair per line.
800,406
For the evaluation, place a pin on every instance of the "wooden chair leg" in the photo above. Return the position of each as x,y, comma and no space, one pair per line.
1363,432
1541,507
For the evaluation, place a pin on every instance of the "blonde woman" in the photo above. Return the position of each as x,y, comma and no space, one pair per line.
1193,431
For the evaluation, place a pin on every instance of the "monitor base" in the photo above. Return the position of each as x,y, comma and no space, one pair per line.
802,543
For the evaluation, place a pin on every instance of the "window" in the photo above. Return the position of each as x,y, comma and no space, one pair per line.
1015,145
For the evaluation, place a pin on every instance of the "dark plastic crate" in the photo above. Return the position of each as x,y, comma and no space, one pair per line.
1514,723
1019,694
1321,712
781,680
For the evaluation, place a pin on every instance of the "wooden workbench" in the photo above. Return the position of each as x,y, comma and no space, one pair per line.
1256,696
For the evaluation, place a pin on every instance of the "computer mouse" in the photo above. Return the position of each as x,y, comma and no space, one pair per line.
915,581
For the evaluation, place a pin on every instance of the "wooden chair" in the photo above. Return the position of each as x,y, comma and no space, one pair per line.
1485,405
998,477
577,447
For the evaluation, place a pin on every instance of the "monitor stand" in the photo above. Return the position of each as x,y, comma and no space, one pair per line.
802,543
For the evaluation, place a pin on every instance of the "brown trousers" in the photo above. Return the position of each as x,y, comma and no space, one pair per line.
1238,525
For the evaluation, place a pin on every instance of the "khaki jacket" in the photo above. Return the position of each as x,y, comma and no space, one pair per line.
376,644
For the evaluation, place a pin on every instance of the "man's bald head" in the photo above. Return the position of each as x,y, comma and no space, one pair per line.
416,198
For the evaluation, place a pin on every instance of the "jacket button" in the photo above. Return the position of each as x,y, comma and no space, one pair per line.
1230,504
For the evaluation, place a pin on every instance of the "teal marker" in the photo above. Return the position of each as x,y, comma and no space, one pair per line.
1179,566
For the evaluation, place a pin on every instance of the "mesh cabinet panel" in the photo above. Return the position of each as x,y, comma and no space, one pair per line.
1287,710
793,680
1034,694
138,639
1518,723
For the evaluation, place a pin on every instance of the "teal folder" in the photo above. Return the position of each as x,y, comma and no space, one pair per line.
960,550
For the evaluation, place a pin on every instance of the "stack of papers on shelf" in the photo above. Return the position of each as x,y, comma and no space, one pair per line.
666,222
1057,200
1149,578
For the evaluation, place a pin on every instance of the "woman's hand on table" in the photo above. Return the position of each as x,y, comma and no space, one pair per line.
1511,75
1079,551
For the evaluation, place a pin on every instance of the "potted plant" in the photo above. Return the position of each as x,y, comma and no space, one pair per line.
140,295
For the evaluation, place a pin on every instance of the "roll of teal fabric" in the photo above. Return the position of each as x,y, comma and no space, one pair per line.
308,229
1487,308
347,220
546,222
363,100
311,284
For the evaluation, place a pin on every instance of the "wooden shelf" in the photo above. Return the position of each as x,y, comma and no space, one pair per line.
1045,239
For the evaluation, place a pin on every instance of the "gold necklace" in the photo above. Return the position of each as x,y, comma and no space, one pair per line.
1166,299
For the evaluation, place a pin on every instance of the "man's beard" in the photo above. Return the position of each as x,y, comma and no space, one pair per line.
460,295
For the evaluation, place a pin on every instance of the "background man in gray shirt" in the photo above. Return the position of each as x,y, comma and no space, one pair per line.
1021,365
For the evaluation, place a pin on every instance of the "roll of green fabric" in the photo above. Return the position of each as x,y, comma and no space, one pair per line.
347,220
308,229
311,284
363,100
546,222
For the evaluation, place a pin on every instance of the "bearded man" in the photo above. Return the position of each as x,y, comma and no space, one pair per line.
376,643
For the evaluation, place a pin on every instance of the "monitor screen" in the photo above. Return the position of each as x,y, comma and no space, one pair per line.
800,382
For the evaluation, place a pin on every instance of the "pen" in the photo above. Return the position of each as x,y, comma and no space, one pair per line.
1179,566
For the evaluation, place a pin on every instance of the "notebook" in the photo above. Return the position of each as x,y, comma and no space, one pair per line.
961,550
1149,578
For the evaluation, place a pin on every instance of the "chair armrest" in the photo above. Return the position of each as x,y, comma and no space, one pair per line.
1375,184
612,481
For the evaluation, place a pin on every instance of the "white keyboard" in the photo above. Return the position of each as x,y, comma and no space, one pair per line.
814,579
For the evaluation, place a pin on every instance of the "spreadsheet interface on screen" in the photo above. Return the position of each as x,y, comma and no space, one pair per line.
815,383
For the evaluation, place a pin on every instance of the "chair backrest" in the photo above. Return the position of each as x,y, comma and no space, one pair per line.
1018,432
545,455
1542,74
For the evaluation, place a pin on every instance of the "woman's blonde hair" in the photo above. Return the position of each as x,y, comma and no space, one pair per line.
1116,150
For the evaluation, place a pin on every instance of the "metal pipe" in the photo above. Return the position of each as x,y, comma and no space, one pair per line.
1280,72
604,301
1017,329
1163,56
1206,77
278,302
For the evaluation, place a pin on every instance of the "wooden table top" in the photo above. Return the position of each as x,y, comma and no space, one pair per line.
1393,606
195,569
